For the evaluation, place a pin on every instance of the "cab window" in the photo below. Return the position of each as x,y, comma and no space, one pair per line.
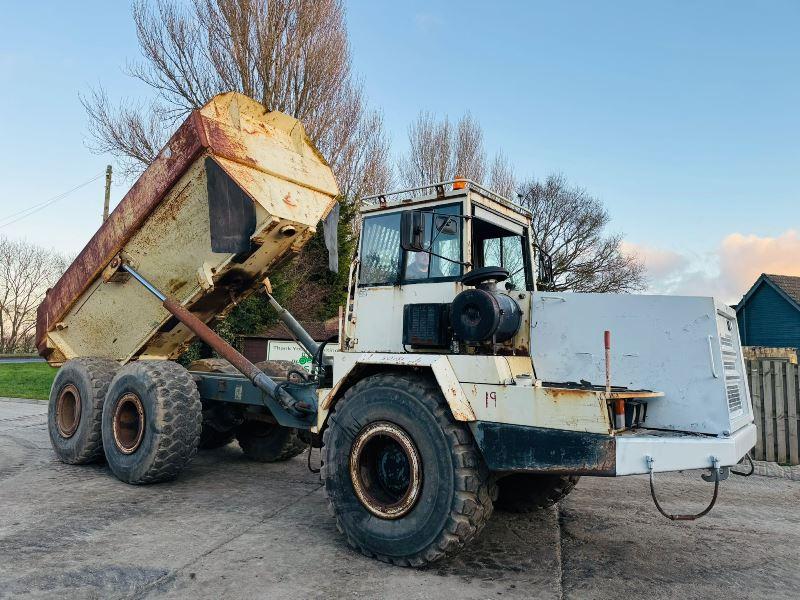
380,250
443,262
495,246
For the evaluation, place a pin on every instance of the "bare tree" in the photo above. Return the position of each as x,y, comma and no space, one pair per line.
439,151
501,176
290,55
26,271
470,158
431,154
569,224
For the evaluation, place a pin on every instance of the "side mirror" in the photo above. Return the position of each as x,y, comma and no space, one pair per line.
545,267
446,225
412,231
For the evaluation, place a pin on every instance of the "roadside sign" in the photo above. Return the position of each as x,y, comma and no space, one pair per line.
280,350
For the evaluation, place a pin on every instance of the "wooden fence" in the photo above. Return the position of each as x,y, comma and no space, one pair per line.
775,394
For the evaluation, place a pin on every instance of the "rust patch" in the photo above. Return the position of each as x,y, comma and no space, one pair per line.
226,145
567,393
123,222
174,285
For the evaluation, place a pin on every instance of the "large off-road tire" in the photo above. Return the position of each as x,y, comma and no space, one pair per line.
76,409
404,479
260,441
526,492
151,421
268,442
213,365
211,438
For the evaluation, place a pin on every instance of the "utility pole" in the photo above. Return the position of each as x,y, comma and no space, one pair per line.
108,192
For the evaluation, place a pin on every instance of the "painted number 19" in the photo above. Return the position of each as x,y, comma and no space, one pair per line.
491,397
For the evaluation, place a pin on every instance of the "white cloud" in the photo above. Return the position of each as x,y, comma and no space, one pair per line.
661,264
744,257
727,272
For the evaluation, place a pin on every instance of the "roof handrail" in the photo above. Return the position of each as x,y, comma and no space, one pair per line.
469,183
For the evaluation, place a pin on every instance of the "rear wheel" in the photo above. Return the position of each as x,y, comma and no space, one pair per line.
216,433
211,439
269,442
151,421
527,492
76,409
404,479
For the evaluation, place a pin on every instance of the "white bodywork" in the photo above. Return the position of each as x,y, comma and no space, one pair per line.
680,451
678,345
484,388
687,348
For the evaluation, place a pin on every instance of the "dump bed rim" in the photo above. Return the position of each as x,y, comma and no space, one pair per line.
182,149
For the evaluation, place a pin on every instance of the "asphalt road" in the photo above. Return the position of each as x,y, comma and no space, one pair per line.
230,528
13,360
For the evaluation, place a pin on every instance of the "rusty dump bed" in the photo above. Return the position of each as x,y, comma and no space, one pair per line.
236,191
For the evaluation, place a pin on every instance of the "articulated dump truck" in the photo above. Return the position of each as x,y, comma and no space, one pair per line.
455,385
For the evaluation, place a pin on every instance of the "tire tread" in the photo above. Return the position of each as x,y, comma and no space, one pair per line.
176,393
472,505
100,372
538,492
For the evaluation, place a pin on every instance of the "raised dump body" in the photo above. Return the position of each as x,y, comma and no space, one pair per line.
236,191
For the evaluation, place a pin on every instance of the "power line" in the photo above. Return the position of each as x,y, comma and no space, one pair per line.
27,212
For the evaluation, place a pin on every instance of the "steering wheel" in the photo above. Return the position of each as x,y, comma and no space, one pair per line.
484,274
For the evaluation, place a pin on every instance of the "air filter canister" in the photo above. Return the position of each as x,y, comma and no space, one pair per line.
480,315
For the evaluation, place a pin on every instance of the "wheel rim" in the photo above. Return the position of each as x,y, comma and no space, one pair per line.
386,470
128,423
68,411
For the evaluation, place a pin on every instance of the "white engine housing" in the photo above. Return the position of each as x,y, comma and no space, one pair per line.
686,347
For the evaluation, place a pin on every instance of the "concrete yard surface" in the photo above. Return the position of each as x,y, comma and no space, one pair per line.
231,528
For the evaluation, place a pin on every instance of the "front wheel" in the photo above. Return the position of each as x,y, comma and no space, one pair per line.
404,479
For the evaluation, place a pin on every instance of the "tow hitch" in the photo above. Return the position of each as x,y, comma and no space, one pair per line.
716,475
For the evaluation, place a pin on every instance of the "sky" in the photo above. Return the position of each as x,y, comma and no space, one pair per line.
681,117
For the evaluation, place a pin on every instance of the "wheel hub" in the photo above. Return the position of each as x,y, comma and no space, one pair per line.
386,470
128,423
68,411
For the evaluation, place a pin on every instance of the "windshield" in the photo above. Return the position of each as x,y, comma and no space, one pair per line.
443,239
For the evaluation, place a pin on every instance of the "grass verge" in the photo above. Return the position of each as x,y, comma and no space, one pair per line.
26,380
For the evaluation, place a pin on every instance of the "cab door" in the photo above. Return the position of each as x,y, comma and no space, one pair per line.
389,277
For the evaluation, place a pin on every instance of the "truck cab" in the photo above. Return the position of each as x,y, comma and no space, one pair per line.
456,232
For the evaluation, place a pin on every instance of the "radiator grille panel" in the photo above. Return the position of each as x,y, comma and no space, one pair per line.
734,398
735,386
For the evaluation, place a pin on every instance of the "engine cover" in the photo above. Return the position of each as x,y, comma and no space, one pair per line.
480,315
